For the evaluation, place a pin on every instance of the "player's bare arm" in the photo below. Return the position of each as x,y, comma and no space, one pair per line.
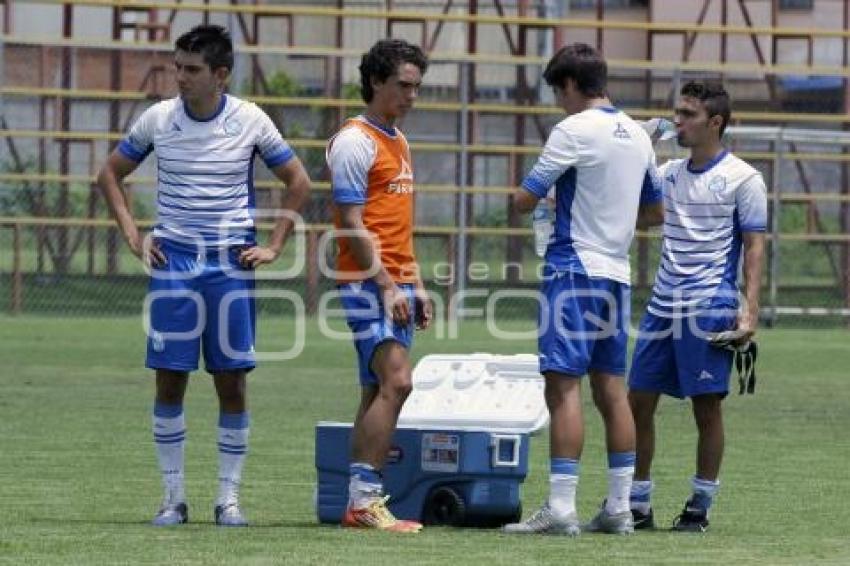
110,180
424,305
524,201
650,215
753,261
368,259
297,183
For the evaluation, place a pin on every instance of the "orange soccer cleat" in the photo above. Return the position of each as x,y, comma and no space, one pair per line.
377,516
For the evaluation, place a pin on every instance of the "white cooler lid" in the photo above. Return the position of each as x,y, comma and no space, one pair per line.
480,391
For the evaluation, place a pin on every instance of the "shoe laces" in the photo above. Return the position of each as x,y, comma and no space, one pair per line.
379,509
689,515
541,519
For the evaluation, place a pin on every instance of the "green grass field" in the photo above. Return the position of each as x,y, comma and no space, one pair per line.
78,477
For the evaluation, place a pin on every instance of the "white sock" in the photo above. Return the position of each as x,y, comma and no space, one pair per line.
364,485
619,487
640,496
169,434
562,494
233,434
621,468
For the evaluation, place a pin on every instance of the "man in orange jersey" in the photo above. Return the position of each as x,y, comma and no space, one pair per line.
379,282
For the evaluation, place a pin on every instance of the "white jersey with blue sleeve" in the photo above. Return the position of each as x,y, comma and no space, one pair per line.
706,211
602,166
205,168
350,156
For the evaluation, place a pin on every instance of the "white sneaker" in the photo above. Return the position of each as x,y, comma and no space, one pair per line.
229,515
171,514
611,523
544,522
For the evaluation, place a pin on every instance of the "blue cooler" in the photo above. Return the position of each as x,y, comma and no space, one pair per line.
460,451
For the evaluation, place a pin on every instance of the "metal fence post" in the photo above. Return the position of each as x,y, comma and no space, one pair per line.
463,69
3,69
312,291
676,86
17,277
773,258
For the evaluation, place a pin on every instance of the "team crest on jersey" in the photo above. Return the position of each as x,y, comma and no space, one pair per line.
232,127
671,178
717,184
621,132
402,183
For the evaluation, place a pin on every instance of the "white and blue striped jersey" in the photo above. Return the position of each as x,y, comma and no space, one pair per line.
705,213
205,168
602,165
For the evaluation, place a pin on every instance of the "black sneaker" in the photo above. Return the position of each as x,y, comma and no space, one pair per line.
691,520
643,521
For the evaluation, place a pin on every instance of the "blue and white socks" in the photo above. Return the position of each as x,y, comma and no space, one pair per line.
233,429
639,500
169,434
621,468
364,486
704,493
563,480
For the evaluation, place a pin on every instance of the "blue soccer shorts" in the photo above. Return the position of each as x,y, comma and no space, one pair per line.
582,324
201,299
673,355
370,325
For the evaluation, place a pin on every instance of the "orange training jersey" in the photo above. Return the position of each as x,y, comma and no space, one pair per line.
370,166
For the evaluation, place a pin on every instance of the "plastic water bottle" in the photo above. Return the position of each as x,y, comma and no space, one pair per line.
543,225
659,129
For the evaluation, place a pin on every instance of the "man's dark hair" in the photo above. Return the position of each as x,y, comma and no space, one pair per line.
382,61
582,63
213,42
713,96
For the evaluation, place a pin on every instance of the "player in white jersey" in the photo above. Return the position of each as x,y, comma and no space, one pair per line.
602,166
203,251
713,203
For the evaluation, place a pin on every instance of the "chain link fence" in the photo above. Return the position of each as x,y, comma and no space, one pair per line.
62,109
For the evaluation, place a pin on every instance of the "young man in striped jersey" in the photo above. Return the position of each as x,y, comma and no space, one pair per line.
714,205
203,251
